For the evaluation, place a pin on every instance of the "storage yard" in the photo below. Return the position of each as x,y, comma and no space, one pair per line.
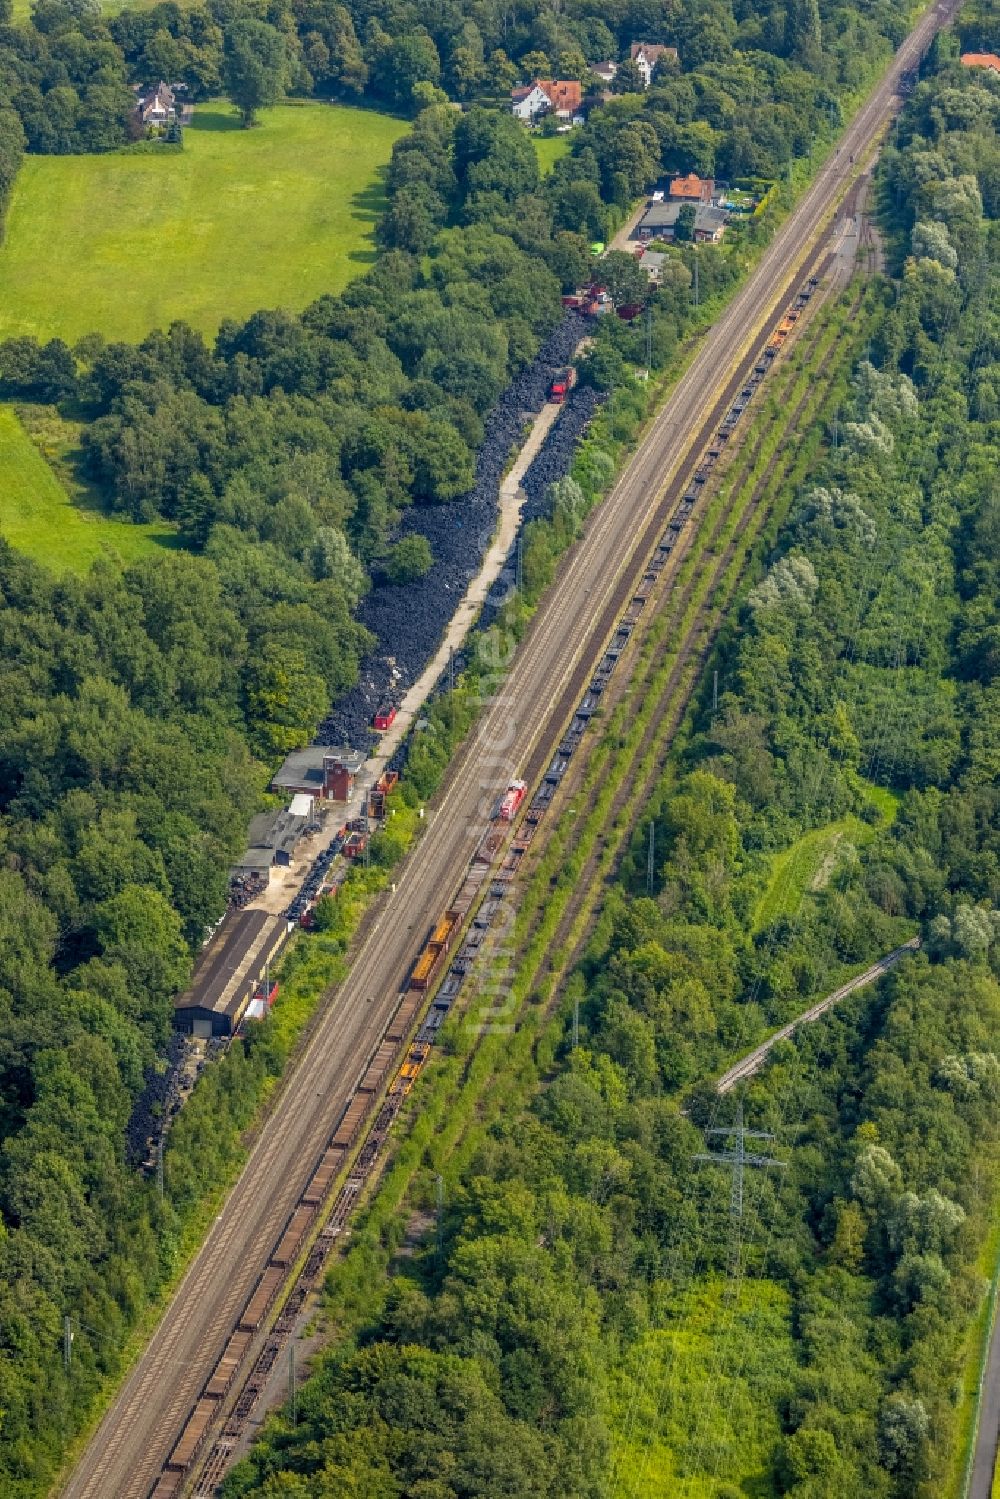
153,1437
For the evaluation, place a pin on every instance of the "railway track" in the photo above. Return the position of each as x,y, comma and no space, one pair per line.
497,881
541,967
484,894
136,1437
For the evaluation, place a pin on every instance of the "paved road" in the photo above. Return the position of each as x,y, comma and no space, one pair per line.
127,1451
752,1063
984,1459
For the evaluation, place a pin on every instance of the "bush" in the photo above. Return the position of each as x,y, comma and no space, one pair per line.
409,560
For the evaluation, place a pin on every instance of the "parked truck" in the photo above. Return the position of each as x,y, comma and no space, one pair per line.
562,383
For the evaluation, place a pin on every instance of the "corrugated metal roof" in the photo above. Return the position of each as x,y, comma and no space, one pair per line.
233,959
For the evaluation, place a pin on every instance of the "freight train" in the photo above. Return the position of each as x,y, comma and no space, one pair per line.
395,1065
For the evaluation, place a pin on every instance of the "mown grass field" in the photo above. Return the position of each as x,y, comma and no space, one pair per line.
807,864
60,524
548,149
241,219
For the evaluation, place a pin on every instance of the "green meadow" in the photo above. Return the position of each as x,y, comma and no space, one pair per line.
549,149
238,220
47,513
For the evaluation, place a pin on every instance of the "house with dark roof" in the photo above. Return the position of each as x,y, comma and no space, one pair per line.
646,55
660,221
228,972
157,106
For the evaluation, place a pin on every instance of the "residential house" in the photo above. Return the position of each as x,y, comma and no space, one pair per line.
981,60
158,106
646,55
693,189
605,71
561,97
660,220
652,262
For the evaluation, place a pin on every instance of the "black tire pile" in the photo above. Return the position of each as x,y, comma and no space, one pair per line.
243,888
408,620
156,1105
555,459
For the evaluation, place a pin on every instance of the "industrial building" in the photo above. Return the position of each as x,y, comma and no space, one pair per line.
660,221
326,772
273,837
228,973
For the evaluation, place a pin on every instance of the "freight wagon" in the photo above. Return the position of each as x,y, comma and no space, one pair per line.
430,959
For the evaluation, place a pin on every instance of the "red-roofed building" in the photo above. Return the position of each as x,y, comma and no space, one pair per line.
693,189
981,60
560,96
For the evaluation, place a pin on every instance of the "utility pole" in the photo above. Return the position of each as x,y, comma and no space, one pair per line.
715,692
738,1160
67,1342
696,285
649,337
291,1379
651,858
518,569
159,1164
576,1023
439,1210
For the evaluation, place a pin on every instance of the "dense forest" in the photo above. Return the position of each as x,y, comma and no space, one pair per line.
141,708
66,72
571,1333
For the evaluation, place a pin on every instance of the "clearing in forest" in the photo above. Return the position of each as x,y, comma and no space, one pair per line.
807,864
238,220
60,523
549,149
695,1402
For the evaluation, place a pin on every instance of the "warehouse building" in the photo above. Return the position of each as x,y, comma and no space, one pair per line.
228,972
325,772
273,837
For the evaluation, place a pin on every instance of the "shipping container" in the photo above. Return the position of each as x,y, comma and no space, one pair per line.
561,385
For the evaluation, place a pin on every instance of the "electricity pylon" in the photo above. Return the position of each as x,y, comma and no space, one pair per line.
738,1159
